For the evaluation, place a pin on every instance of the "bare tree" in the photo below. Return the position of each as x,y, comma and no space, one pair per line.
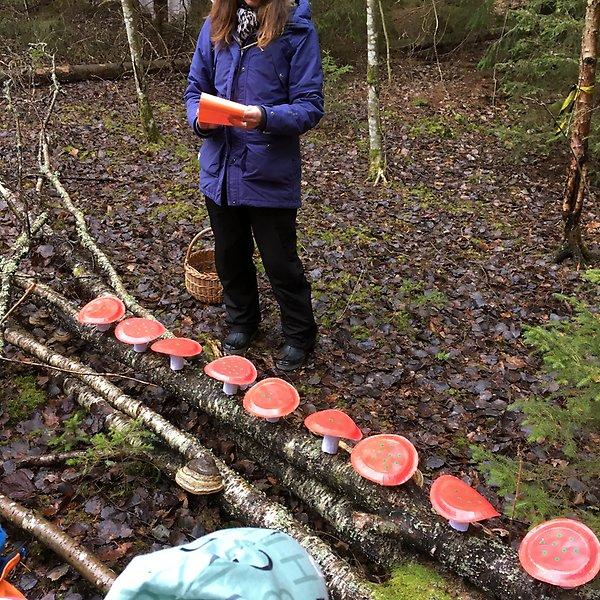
577,171
135,46
377,166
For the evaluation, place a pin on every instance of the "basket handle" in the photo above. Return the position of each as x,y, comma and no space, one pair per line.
196,238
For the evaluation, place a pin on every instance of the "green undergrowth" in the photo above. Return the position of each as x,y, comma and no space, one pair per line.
564,421
27,399
412,581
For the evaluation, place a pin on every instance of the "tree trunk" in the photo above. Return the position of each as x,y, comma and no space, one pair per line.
377,165
161,8
49,535
135,47
486,562
577,171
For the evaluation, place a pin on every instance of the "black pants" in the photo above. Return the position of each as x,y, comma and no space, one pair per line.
274,230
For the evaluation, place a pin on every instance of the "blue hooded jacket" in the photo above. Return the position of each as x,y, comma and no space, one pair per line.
259,167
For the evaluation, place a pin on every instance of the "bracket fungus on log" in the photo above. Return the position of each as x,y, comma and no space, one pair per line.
177,349
458,502
234,371
333,425
138,332
102,312
386,459
562,552
271,399
199,477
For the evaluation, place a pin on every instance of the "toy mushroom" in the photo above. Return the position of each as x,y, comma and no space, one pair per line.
200,477
177,349
563,552
386,459
102,312
234,371
138,332
459,502
271,399
332,425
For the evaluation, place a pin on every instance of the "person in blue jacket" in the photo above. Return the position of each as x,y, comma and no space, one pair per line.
264,54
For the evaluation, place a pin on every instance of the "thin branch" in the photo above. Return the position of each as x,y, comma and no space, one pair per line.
10,265
19,145
387,42
29,363
85,237
18,302
435,48
498,44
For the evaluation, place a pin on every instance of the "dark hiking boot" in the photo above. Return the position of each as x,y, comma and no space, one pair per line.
290,358
238,342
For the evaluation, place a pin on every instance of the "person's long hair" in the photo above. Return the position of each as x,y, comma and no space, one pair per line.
272,18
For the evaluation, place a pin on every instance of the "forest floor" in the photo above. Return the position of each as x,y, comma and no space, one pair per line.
422,290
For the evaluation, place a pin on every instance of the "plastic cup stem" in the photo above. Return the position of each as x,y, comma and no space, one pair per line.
140,347
103,327
330,444
273,420
176,363
230,389
458,525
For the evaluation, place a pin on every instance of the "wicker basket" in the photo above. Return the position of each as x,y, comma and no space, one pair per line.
201,279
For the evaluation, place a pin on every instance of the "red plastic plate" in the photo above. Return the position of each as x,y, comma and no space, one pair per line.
232,369
386,459
455,500
271,398
562,552
101,311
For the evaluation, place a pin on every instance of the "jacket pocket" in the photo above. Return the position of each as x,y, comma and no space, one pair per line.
210,156
273,163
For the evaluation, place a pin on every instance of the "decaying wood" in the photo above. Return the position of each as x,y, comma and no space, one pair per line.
10,264
103,71
577,171
486,562
49,535
239,497
47,460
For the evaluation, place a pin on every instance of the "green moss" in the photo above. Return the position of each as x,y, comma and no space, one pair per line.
435,126
28,397
360,332
180,210
412,581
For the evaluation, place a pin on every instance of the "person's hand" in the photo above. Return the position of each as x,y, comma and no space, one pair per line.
252,118
207,125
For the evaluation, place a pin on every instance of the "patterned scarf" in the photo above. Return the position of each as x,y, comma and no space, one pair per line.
247,23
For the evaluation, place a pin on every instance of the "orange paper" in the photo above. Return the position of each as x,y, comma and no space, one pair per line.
219,111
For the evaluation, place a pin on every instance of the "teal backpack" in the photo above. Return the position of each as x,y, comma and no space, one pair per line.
231,564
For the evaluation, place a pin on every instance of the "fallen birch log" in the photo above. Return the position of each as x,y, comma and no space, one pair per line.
102,71
98,574
239,497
